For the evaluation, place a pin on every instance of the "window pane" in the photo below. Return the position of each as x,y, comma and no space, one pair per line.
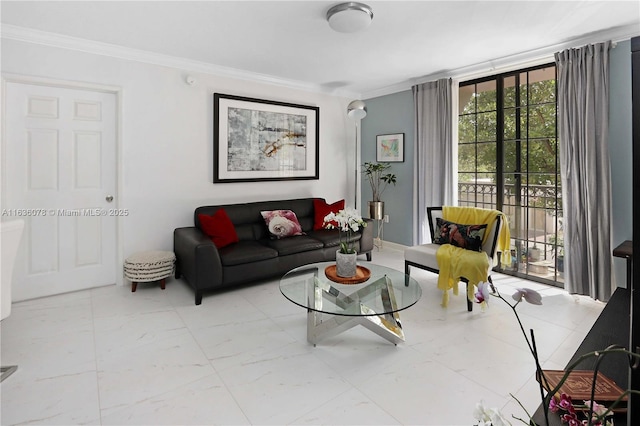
517,224
542,121
467,128
524,95
467,158
542,86
486,191
487,161
466,189
542,155
524,131
509,92
467,178
510,191
509,123
510,158
486,96
487,127
466,99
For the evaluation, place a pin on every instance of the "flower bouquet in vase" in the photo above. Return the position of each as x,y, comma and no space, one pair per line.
348,221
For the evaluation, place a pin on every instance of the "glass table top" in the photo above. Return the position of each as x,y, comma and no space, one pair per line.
385,292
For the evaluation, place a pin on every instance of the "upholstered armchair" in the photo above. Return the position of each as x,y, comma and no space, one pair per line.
464,247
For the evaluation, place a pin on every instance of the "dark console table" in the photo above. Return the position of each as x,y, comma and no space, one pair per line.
611,328
625,250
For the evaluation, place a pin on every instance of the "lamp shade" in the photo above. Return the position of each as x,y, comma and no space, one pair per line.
349,17
357,110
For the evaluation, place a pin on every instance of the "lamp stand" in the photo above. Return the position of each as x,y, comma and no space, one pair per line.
355,176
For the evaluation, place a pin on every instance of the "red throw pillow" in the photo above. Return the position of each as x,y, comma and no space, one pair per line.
219,228
321,209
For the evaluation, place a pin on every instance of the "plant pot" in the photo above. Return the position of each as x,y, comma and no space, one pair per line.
346,264
376,210
560,263
534,254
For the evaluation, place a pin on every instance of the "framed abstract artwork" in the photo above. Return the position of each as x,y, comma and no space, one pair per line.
261,140
390,148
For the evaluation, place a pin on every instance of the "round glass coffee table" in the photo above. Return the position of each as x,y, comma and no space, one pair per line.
334,307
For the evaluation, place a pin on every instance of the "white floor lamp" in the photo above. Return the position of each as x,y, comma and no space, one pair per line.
356,110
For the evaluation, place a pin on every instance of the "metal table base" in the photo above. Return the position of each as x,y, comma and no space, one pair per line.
322,325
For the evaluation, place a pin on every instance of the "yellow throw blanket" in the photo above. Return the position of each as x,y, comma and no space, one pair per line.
475,216
455,262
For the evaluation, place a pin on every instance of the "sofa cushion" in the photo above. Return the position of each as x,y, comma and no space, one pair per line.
321,209
464,236
219,228
293,245
331,237
246,252
282,223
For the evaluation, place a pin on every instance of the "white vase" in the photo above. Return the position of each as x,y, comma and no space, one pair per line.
346,264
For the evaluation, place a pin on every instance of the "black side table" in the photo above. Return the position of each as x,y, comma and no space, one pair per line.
625,250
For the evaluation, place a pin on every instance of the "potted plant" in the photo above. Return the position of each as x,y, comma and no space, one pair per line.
558,251
534,253
348,221
379,179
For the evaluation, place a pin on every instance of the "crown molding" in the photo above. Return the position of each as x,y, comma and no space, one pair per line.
30,35
502,64
509,63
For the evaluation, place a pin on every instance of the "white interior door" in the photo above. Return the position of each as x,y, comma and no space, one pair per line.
60,171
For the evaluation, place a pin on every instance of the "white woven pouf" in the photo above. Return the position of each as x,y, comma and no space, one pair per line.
147,266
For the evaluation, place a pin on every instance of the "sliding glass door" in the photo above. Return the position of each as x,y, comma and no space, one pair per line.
508,160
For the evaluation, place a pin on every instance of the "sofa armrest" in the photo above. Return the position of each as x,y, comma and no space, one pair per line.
197,258
366,241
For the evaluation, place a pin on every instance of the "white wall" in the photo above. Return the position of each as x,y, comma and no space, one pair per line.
167,138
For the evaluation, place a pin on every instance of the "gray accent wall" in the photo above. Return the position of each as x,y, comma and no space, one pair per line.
387,115
620,143
394,113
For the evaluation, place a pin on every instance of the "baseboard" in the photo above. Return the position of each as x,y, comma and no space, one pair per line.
390,245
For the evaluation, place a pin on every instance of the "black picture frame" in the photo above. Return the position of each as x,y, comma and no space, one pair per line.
390,148
262,140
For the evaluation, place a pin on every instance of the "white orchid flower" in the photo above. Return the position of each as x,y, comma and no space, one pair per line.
347,220
489,416
529,295
483,294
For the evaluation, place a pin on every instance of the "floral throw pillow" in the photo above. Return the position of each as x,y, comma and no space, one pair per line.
282,223
464,236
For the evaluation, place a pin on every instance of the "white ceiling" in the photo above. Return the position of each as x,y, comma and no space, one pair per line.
290,42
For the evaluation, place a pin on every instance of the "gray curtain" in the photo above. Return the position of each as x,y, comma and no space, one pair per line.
434,161
583,116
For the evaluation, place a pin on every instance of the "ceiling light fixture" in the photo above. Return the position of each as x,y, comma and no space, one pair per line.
349,17
357,110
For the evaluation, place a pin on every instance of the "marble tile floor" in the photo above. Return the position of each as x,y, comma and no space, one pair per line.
111,357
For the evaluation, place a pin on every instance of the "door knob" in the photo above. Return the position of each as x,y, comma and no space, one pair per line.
109,198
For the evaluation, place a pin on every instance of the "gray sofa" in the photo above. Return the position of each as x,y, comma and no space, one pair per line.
256,256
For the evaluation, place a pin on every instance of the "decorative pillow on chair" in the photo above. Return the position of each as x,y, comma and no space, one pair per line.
321,209
282,223
464,236
219,228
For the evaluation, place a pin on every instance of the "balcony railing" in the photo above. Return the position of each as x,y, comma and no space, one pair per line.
534,214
